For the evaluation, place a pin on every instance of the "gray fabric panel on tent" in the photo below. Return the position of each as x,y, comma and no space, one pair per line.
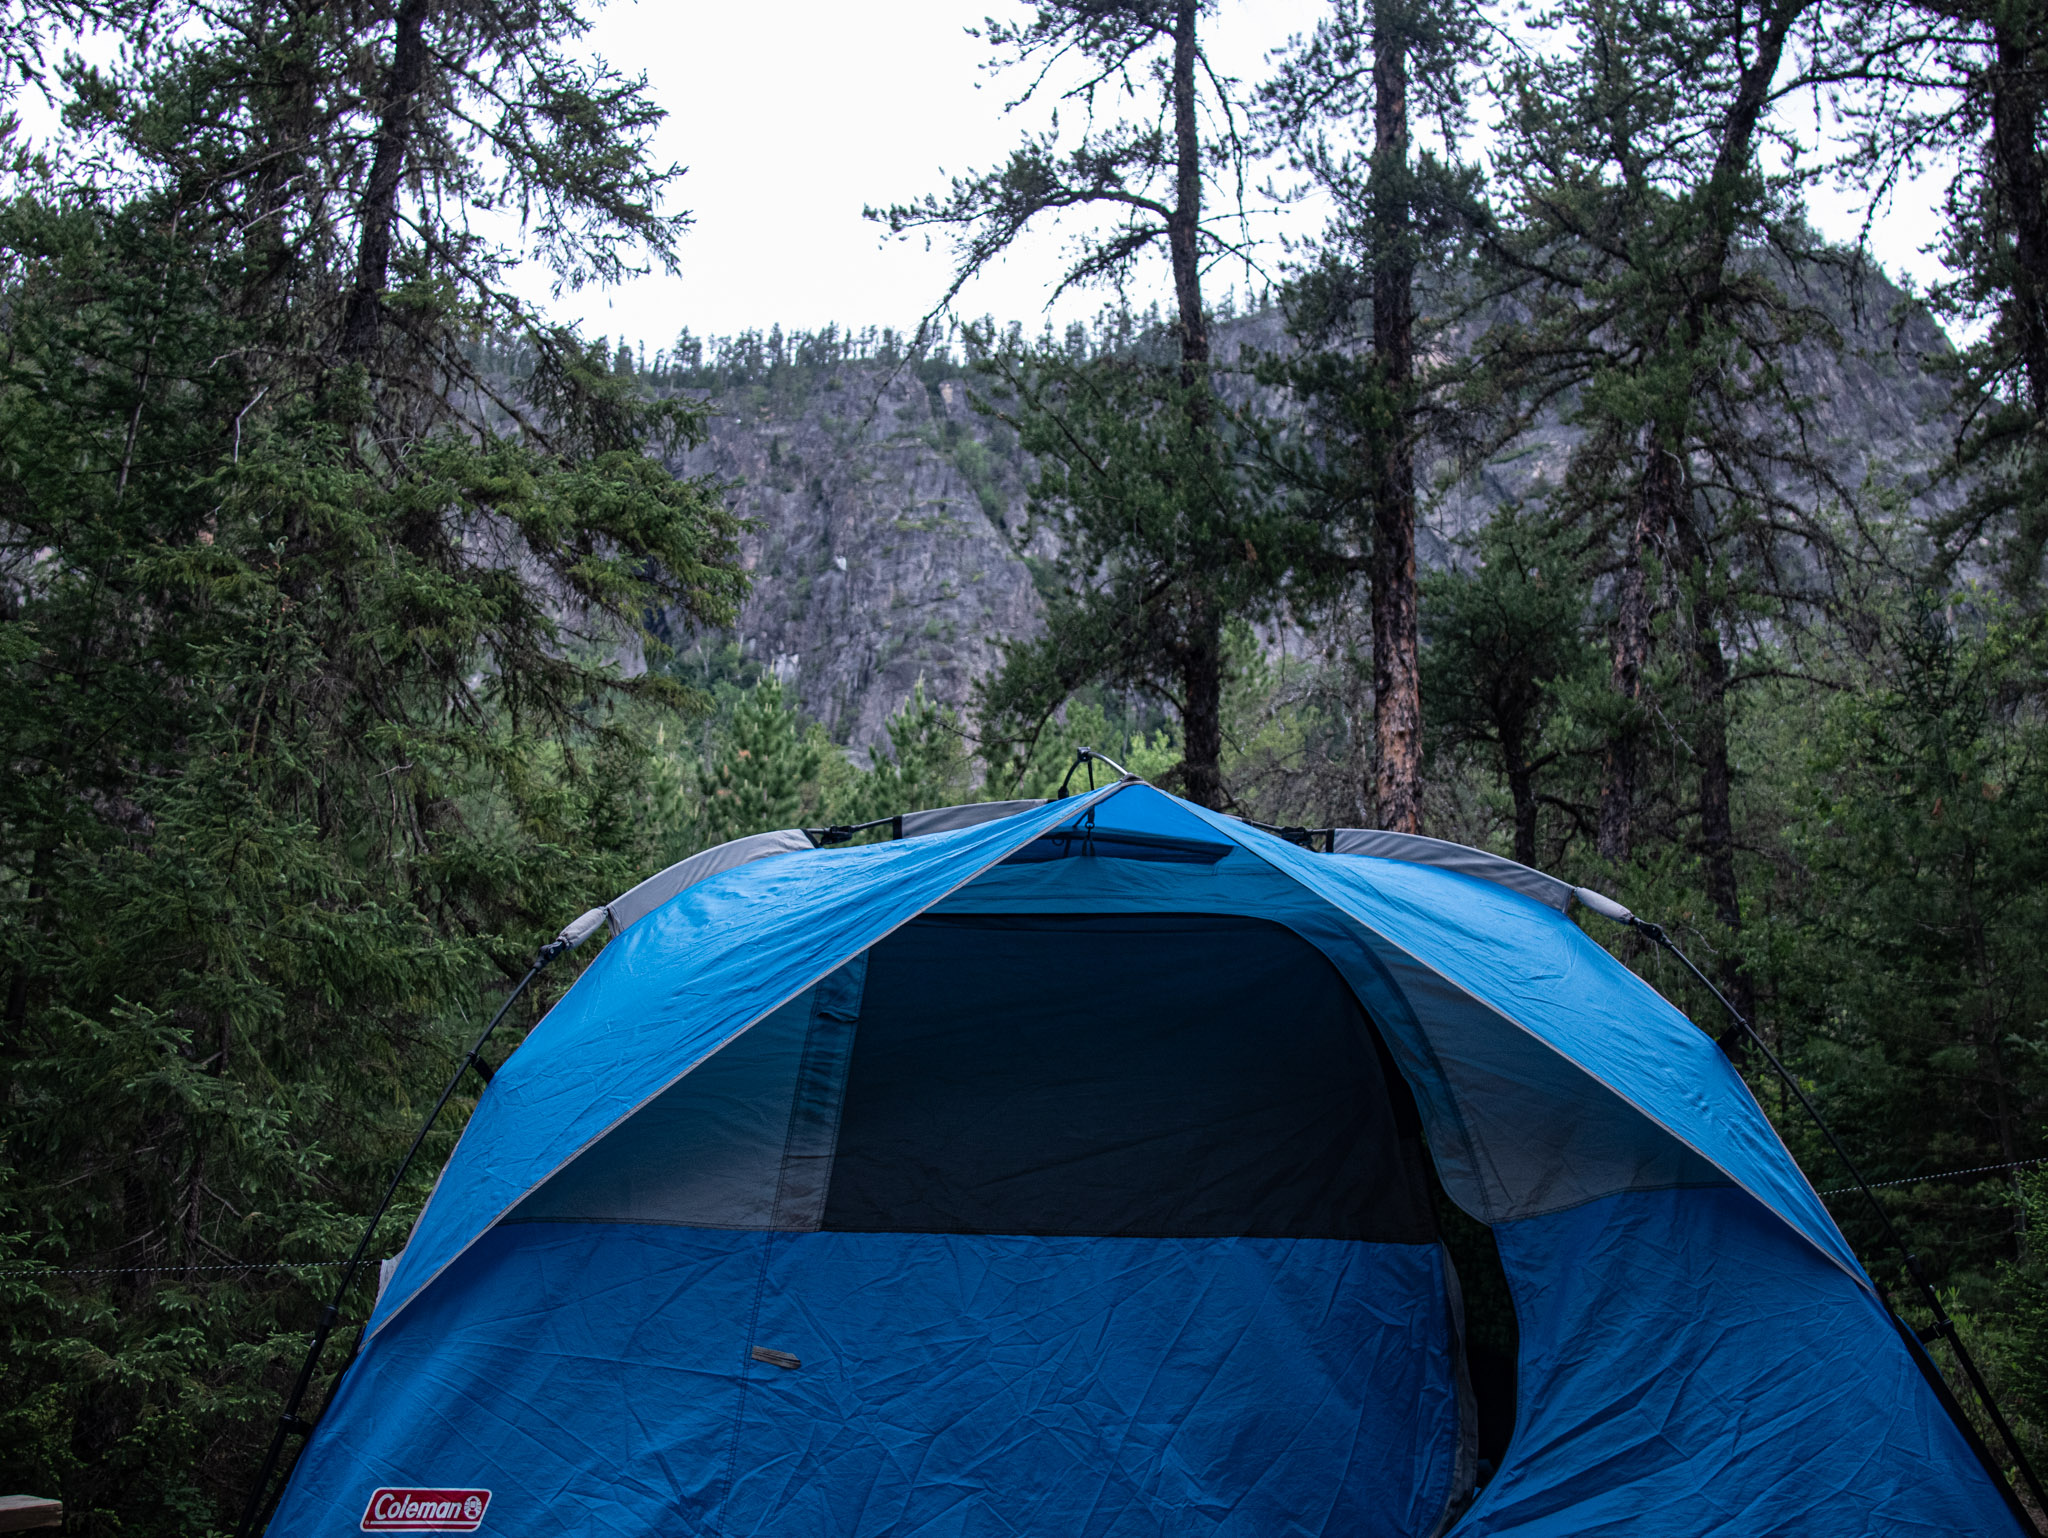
706,1152
1515,1129
944,819
632,906
744,1141
1417,850
806,1172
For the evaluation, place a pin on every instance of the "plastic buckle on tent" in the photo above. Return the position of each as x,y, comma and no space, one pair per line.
292,1425
484,1069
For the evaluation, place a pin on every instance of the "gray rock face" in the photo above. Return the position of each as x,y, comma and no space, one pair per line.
880,557
888,510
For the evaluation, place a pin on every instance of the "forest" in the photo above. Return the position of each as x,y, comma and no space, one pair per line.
356,631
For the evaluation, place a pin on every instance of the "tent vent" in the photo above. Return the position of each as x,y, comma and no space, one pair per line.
1119,844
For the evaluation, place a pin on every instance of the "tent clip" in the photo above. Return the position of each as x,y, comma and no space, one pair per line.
839,833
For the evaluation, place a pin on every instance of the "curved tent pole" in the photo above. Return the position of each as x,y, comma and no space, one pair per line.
289,1423
1091,758
1943,1327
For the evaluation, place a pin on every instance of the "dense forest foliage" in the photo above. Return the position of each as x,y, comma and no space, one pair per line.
327,563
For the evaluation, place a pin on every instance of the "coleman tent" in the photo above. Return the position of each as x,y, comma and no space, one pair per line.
1071,1174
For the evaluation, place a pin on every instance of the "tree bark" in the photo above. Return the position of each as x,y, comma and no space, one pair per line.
1521,777
1717,776
1183,229
2016,110
1202,637
1662,483
387,171
1397,690
1202,713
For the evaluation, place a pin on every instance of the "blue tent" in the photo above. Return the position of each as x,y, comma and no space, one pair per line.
1073,1173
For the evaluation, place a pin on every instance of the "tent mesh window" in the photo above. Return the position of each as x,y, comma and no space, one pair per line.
1103,1075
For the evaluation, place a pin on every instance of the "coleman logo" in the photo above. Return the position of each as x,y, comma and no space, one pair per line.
417,1511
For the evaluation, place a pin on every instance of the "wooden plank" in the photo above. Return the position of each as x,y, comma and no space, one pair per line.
20,1513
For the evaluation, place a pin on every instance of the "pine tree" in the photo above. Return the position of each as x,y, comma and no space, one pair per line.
1649,256
308,700
1962,87
1505,649
1341,105
1170,562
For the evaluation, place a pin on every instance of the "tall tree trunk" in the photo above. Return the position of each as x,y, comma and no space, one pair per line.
1663,479
387,171
1521,776
1202,713
1716,774
1202,641
1397,689
2022,186
1183,229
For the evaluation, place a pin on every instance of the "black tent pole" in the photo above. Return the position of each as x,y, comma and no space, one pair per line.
289,1423
1944,1326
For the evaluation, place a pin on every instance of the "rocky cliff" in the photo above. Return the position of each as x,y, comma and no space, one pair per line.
888,510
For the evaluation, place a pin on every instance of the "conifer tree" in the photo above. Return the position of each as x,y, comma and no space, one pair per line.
1650,255
1962,87
1341,104
1172,548
309,706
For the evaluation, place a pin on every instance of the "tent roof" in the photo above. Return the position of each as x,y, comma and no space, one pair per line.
1502,1009
1413,848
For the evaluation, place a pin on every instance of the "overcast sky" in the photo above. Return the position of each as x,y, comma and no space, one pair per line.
792,115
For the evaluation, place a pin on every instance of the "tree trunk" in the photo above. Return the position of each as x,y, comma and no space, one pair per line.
1397,691
1202,711
1202,639
1717,777
1183,229
1521,777
2016,109
387,171
1662,484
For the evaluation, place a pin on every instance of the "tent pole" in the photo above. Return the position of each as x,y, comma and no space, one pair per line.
254,1514
1944,1326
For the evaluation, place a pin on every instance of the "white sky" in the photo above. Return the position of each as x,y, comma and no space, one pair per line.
791,114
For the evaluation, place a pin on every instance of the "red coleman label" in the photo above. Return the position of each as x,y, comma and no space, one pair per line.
418,1511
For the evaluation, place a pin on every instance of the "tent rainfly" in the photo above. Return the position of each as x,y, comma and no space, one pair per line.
1076,1174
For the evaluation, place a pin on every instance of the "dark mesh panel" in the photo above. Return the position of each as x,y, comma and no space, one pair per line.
1154,1075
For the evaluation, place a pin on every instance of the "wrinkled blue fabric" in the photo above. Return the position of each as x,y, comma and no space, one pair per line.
1690,1370
596,1378
1692,1362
